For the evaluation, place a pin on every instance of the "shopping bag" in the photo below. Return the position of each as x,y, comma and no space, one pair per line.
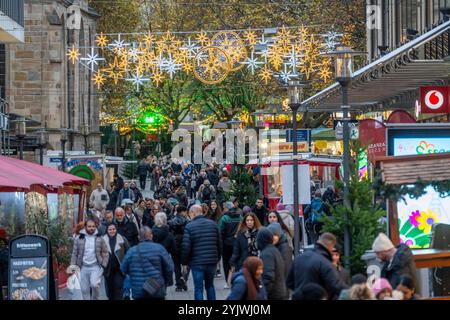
74,286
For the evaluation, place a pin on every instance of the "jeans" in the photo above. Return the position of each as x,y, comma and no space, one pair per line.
90,278
226,257
204,273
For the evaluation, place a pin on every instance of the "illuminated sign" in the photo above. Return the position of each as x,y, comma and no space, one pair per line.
418,146
287,147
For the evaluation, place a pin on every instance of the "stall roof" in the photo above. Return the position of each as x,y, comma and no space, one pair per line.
303,157
390,81
24,174
408,169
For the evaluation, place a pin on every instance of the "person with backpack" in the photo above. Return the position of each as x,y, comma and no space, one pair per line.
206,192
314,213
228,226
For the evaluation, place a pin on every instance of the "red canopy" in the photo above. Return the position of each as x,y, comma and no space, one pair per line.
23,174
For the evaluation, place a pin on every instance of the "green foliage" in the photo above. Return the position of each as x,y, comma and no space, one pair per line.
242,187
363,216
129,171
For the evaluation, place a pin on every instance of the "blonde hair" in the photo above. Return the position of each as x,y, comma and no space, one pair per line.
361,292
160,219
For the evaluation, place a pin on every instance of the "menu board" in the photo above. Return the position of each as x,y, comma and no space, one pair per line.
28,268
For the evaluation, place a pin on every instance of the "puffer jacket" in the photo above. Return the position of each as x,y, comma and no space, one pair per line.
273,274
177,225
239,288
154,262
402,263
119,252
128,229
202,243
101,251
314,266
163,236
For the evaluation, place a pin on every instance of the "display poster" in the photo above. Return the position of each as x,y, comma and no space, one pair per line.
417,216
304,185
28,268
419,146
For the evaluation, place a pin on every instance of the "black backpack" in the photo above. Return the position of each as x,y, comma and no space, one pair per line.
206,193
229,232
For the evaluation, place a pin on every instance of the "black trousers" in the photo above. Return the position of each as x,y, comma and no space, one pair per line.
226,256
178,274
114,285
142,180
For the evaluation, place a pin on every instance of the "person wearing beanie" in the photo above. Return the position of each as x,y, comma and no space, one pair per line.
315,266
246,210
273,275
281,243
343,273
4,260
397,260
381,289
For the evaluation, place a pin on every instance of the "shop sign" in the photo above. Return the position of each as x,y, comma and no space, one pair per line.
338,126
287,147
29,263
435,99
302,135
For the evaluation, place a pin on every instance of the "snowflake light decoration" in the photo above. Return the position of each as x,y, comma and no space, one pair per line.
171,67
138,79
252,63
191,47
92,59
286,75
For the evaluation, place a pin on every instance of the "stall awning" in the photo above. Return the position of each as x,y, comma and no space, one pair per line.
408,169
391,81
24,174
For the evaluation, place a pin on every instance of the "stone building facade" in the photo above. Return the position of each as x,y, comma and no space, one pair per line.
42,84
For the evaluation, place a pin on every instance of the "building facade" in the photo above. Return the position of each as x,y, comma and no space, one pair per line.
392,23
42,84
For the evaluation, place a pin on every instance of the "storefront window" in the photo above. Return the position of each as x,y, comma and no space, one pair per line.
12,212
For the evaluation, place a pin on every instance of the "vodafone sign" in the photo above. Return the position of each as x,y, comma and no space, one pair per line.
435,99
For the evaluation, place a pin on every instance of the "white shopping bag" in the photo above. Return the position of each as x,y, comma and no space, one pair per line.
74,286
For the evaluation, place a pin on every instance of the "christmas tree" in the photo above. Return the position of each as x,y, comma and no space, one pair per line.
242,186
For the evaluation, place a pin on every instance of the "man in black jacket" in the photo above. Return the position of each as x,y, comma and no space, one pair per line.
273,274
125,227
315,266
260,210
142,170
201,250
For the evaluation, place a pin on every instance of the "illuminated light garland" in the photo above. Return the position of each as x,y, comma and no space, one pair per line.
101,40
73,54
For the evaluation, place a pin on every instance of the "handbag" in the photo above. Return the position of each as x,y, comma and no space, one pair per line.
154,287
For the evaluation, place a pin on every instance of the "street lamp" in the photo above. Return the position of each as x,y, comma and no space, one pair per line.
42,136
21,132
344,74
295,91
64,139
85,133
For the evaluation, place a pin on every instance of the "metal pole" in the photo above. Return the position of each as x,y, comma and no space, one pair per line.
21,148
63,147
85,145
294,108
41,154
346,134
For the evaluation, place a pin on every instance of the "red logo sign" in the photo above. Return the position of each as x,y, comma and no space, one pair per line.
435,99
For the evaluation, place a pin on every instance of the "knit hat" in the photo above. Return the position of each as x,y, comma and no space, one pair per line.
246,210
382,243
280,206
3,234
275,228
379,285
229,205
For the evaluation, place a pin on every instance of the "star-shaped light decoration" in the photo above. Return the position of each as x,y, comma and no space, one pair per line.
149,39
293,59
286,75
73,54
99,79
191,47
250,36
92,59
265,74
203,39
115,70
171,67
101,40
325,73
138,79
160,62
157,78
252,63
134,52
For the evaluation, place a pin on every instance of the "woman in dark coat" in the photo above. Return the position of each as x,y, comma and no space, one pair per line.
214,212
247,283
245,244
117,248
162,235
176,226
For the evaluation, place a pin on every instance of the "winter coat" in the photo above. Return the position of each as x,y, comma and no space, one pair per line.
154,262
120,198
261,213
177,225
137,195
113,196
240,251
402,263
225,184
127,229
143,168
202,243
228,225
147,219
182,198
101,250
273,274
314,266
286,252
119,252
99,199
239,288
163,236
288,220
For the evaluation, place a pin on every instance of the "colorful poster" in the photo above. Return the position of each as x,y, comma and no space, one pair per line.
418,146
417,216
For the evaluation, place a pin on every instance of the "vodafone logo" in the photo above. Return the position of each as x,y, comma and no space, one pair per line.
434,99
